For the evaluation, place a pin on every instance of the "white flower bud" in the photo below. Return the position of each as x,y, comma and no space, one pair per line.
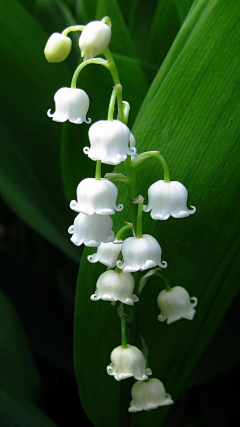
57,48
128,362
91,230
176,304
140,253
107,253
70,104
113,286
168,198
148,395
109,142
96,196
94,39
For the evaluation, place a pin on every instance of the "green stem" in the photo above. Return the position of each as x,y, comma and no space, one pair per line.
148,154
83,64
116,90
98,170
123,331
114,72
132,190
72,28
166,283
122,231
139,219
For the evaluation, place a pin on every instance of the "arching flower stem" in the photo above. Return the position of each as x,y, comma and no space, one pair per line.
72,28
114,72
132,190
83,64
122,230
116,90
143,156
166,283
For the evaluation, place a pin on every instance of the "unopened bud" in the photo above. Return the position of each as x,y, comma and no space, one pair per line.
94,39
57,48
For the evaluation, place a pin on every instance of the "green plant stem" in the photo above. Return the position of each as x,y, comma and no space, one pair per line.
83,64
147,155
166,283
139,220
116,90
122,231
72,28
132,190
114,72
123,331
98,170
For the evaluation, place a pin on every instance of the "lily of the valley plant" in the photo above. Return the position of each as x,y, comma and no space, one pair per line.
111,142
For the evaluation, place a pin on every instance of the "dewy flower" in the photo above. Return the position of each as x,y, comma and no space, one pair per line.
57,48
167,199
107,253
140,253
148,395
113,286
96,196
94,39
176,304
128,362
109,142
71,104
91,230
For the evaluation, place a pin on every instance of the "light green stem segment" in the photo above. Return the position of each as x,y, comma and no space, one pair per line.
139,216
132,190
114,72
72,28
116,90
83,64
123,331
166,283
98,170
122,231
146,155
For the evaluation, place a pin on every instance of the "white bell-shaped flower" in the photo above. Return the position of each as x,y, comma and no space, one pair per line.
113,286
57,48
167,199
107,253
70,104
140,253
128,362
96,196
109,142
148,395
91,230
94,39
176,304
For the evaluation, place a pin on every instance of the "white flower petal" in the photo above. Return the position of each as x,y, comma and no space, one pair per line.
107,253
91,230
127,362
113,286
70,104
149,395
176,304
94,39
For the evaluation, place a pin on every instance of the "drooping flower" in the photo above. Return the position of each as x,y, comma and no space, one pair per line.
148,395
94,39
71,104
128,362
91,230
113,286
167,199
107,253
109,142
140,253
176,304
57,48
96,196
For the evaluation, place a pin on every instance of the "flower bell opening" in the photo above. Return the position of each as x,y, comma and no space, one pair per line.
70,104
128,362
176,304
147,395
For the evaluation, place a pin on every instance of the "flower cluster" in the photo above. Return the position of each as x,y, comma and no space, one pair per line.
111,143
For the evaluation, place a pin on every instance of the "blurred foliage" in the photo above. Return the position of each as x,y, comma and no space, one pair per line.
178,63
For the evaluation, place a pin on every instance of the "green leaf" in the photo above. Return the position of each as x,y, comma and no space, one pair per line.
24,414
19,376
30,180
183,7
195,19
193,121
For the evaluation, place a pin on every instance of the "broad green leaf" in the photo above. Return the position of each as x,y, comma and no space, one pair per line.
195,19
192,120
30,180
24,414
86,9
19,376
164,28
183,7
